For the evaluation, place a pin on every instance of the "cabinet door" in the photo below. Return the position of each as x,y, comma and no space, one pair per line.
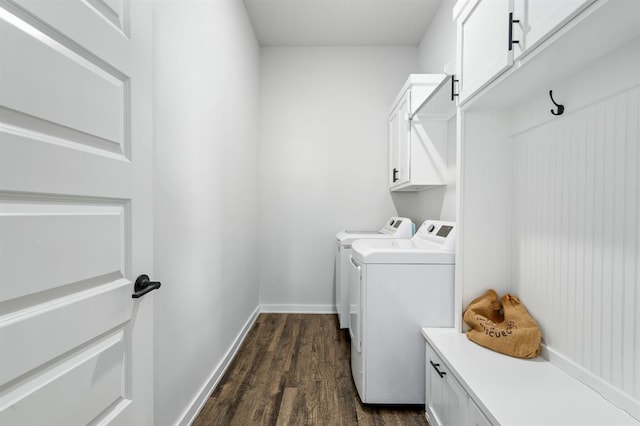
539,19
483,50
399,138
475,416
447,399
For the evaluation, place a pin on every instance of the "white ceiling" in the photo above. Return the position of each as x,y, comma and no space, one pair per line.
340,22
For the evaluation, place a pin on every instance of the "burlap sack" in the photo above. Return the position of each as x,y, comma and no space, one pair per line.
513,331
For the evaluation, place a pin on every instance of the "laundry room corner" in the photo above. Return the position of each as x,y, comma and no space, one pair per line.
323,150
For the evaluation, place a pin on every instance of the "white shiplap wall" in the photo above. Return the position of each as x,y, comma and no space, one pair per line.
576,237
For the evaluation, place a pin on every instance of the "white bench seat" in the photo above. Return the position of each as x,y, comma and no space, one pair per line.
513,391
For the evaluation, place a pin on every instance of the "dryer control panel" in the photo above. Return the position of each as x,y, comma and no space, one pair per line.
398,227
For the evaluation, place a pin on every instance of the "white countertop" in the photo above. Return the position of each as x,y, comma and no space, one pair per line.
514,391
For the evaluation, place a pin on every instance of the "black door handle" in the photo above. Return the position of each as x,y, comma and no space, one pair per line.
395,174
143,286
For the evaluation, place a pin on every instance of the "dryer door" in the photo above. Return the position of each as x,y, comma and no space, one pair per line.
355,278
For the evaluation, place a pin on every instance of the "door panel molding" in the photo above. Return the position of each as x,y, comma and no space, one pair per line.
103,360
77,89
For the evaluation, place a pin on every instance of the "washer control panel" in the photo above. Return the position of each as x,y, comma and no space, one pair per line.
438,231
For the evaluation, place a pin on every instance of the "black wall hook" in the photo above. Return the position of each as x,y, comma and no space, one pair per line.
560,108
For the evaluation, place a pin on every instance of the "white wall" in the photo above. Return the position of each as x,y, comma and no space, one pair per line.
576,222
438,45
437,48
323,161
206,107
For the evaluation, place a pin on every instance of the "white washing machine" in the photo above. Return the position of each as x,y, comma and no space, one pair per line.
396,227
395,288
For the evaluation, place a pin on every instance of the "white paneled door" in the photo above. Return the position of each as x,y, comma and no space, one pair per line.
75,212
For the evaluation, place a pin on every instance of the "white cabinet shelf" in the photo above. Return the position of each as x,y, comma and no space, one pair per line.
439,104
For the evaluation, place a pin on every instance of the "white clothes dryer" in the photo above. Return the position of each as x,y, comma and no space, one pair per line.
396,227
395,288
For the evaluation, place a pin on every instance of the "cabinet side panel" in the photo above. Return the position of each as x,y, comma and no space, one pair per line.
485,221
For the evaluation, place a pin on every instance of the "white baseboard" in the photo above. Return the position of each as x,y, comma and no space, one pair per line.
615,395
198,403
298,309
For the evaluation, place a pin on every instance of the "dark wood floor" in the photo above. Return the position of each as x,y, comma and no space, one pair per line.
294,369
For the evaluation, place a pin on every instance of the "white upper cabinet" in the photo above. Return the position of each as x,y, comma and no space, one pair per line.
418,133
483,48
399,135
494,33
541,18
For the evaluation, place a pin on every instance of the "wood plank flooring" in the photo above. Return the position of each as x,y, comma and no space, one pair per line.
294,369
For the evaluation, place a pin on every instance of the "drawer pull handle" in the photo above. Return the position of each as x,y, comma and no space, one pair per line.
435,366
